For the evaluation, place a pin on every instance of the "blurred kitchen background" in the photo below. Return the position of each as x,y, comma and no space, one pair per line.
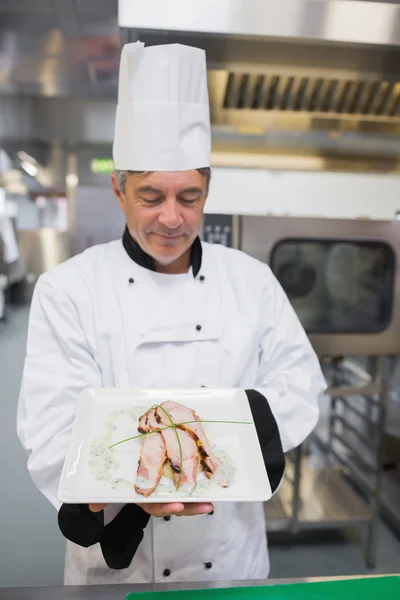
305,105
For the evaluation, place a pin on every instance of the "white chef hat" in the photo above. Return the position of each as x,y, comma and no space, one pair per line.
163,116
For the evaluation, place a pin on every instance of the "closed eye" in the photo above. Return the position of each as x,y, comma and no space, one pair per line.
188,200
152,200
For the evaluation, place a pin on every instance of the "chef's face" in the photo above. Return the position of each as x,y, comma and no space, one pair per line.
163,212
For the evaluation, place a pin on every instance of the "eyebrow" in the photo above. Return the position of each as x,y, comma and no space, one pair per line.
191,190
148,189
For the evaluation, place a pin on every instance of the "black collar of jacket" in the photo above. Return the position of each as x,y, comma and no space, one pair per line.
140,257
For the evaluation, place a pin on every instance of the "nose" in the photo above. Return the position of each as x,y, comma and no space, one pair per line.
170,215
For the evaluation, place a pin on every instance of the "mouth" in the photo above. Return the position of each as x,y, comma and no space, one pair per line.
168,236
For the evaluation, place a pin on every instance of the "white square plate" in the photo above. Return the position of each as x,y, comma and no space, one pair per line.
94,473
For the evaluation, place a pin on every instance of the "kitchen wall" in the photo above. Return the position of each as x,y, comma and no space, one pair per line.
99,218
304,194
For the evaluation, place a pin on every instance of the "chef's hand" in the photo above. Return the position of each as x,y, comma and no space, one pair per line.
177,509
97,507
168,509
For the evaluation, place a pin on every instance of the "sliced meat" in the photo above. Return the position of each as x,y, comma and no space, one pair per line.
148,422
152,458
181,414
189,458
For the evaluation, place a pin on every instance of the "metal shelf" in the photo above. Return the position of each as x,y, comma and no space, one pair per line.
390,490
320,496
344,445
326,501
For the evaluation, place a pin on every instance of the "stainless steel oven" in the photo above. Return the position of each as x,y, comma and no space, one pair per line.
341,276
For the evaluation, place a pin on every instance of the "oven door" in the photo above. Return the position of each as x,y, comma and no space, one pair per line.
340,276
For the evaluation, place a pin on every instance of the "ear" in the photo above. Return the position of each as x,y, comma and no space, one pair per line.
117,191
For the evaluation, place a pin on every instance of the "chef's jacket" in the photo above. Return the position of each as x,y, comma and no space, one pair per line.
106,318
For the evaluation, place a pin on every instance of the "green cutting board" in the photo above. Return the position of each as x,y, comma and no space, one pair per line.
382,588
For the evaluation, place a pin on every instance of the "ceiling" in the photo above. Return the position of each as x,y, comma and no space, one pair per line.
268,96
59,47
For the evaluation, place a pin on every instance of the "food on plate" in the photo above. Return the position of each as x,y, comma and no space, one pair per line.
148,422
152,458
181,414
186,445
185,470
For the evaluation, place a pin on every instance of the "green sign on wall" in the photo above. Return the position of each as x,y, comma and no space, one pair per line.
102,165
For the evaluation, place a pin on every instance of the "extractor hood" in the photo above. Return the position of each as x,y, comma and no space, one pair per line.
298,66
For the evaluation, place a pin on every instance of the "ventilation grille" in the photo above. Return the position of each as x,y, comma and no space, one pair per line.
312,95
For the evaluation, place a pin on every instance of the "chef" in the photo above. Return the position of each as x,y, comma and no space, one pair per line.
160,309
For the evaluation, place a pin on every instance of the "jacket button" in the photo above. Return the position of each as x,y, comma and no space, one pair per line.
208,565
131,280
167,518
166,572
198,327
202,278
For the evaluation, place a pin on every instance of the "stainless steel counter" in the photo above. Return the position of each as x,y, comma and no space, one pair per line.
118,592
113,592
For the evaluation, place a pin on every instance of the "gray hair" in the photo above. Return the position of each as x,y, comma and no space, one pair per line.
122,176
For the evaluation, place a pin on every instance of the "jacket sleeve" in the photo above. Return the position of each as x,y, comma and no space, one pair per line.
268,437
118,540
289,375
58,366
